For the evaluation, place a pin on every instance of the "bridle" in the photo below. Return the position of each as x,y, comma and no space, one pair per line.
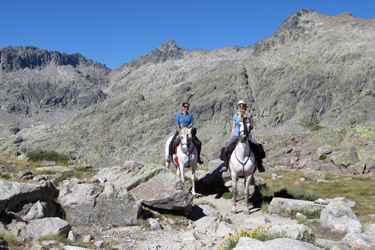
245,132
188,144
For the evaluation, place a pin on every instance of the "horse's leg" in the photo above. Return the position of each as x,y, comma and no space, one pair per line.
181,172
178,171
234,182
247,211
193,180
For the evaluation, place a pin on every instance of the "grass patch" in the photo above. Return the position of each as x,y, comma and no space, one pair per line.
201,203
41,155
227,195
297,194
10,238
56,237
292,214
357,188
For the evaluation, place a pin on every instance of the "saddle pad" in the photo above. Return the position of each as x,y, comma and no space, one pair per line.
176,158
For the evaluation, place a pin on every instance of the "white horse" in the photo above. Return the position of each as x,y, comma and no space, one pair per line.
242,164
186,156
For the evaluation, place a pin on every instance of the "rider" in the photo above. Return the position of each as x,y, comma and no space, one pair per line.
185,120
237,119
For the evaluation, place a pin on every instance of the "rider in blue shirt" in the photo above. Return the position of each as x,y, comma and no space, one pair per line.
185,120
237,119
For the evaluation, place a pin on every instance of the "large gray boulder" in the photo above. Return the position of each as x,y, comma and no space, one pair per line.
283,204
42,227
366,239
27,201
88,203
155,185
165,191
340,217
115,205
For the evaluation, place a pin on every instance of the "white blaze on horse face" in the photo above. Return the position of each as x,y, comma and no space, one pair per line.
243,136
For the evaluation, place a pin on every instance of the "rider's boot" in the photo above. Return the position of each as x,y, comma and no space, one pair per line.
226,162
260,166
169,159
200,160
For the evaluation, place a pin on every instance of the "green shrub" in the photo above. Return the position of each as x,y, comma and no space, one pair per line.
227,195
297,194
206,203
41,155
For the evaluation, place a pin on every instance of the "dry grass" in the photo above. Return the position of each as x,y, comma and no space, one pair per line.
355,188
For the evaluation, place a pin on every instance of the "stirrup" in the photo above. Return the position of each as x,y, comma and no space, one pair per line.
169,159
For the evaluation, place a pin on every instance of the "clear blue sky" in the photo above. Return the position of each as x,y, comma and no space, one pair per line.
114,32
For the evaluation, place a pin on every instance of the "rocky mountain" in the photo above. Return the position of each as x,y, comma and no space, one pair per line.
315,72
44,87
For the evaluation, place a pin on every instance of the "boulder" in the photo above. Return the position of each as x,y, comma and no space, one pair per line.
27,201
130,175
278,205
87,203
224,229
339,216
297,232
115,205
164,191
357,240
154,185
207,225
42,227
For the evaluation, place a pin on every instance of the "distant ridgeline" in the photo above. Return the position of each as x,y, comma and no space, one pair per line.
315,73
13,59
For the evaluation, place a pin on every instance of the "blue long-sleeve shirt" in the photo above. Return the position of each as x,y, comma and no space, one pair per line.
184,121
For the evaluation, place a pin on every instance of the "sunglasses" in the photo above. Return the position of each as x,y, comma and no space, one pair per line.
186,107
242,106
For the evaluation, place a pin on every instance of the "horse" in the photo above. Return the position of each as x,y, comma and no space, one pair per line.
242,163
186,156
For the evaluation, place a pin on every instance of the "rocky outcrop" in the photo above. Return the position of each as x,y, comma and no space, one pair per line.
156,186
87,203
25,201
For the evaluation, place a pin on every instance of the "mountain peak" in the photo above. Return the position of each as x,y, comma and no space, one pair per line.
167,51
169,45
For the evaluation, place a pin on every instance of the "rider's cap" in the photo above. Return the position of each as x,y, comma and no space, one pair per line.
241,102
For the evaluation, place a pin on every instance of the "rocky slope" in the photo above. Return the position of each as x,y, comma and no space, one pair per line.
314,72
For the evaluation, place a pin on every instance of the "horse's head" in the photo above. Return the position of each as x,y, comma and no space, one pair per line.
244,129
186,139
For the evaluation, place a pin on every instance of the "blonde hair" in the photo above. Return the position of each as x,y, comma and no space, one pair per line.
242,113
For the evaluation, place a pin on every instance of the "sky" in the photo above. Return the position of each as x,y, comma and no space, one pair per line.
114,32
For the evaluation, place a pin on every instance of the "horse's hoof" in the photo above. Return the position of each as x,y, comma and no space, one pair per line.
233,212
247,212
